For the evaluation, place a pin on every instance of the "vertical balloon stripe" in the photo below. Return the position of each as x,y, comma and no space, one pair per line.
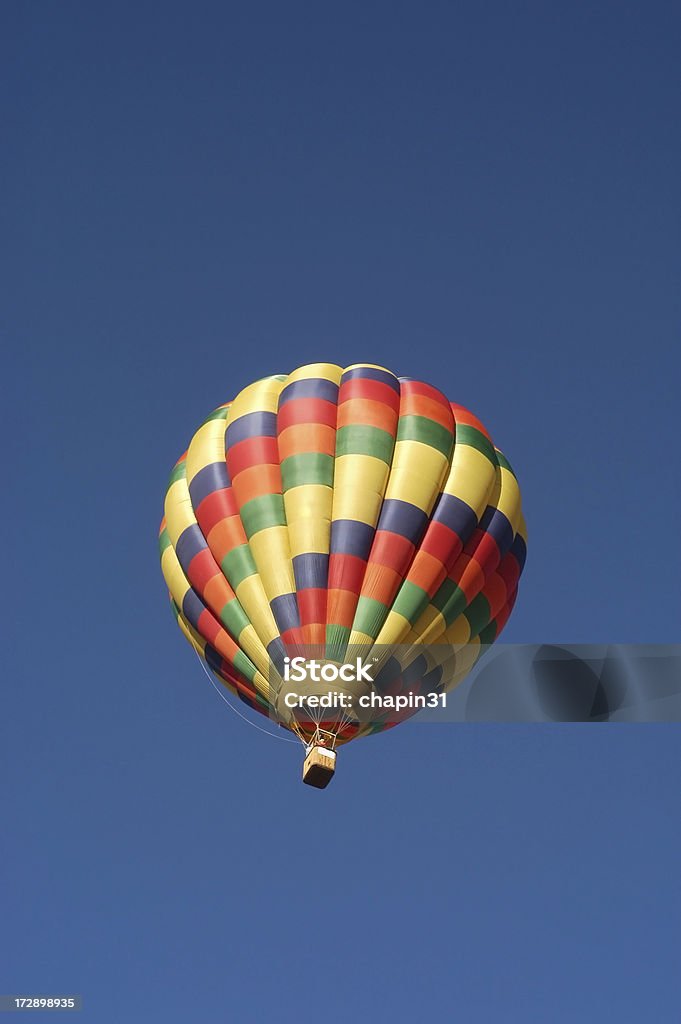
469,482
252,457
482,551
420,465
204,572
489,541
202,620
217,515
306,435
368,412
473,467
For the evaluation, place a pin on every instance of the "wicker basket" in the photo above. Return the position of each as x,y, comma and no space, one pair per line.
319,766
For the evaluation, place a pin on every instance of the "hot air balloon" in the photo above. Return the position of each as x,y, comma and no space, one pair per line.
332,517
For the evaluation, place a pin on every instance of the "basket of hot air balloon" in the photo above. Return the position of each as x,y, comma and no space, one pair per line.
332,512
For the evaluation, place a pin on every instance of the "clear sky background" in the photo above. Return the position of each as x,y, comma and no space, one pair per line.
196,195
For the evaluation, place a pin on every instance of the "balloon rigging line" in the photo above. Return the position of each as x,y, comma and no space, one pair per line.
229,704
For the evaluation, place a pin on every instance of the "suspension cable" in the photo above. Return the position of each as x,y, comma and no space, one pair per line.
218,690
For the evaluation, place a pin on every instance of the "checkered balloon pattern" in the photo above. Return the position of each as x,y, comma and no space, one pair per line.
345,509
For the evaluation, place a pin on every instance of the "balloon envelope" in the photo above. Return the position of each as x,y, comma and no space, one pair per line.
339,510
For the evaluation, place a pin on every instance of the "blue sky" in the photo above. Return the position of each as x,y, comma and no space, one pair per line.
485,196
